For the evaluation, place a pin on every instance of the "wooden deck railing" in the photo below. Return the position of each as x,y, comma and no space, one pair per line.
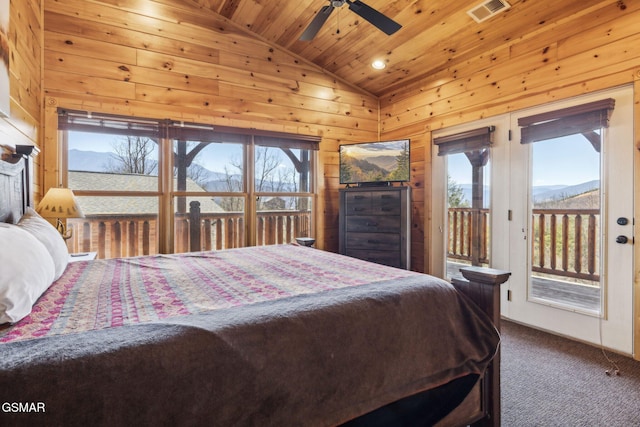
124,235
564,242
114,235
460,233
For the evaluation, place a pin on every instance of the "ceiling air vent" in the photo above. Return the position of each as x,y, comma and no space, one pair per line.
488,9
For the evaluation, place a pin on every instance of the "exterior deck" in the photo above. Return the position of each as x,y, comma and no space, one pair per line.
564,253
113,236
559,292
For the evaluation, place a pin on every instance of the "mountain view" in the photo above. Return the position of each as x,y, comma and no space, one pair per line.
365,170
93,161
584,195
374,162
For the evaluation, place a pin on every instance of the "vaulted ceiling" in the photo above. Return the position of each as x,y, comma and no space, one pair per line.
436,35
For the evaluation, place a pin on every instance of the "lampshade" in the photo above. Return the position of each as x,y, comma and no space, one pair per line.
59,203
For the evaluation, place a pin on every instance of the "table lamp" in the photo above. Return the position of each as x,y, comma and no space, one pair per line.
60,203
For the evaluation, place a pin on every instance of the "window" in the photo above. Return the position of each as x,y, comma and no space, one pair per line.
218,187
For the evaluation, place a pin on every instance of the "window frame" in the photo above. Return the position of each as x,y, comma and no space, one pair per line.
170,132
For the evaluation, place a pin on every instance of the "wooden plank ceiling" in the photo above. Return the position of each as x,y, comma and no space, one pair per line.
436,34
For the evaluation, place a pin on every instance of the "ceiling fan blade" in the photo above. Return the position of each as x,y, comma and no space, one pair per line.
387,25
317,23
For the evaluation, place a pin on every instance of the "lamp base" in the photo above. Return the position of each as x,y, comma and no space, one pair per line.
64,231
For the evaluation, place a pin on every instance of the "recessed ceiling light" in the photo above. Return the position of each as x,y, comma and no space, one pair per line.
378,64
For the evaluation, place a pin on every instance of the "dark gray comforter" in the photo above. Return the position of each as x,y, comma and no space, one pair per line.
309,360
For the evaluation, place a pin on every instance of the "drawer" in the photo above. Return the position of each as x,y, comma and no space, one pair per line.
385,197
374,241
379,257
373,224
358,203
385,204
372,203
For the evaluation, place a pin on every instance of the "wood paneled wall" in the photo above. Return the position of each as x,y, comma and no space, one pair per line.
22,126
167,61
595,49
158,59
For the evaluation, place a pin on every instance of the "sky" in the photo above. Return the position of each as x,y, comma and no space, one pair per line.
214,159
384,148
564,161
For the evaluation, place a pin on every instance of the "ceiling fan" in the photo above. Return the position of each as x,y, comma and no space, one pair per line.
387,25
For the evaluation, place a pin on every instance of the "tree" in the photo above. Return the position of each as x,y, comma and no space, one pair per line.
266,165
197,174
132,154
455,194
271,175
233,184
401,172
346,170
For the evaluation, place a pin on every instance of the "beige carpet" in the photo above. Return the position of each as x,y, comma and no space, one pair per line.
552,381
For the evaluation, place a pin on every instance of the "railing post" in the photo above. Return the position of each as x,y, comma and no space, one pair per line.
194,226
86,237
102,237
565,243
146,238
591,245
453,244
207,234
219,233
541,241
578,244
116,240
280,224
229,231
553,238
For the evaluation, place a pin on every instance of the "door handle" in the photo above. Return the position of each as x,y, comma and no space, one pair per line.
622,239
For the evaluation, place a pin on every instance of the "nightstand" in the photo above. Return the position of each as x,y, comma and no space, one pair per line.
83,256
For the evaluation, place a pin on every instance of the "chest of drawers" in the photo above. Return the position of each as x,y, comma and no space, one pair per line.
374,224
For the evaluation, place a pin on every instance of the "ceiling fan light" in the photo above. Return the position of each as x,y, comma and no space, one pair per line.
379,64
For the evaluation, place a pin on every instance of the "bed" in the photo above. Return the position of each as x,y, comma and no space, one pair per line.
259,336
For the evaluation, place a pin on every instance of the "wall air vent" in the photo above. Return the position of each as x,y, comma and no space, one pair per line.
488,9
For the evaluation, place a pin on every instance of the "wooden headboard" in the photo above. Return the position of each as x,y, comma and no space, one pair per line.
15,184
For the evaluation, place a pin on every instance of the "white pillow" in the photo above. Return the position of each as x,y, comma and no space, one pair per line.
26,271
42,230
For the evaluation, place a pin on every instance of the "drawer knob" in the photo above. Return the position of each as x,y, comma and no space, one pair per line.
372,224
